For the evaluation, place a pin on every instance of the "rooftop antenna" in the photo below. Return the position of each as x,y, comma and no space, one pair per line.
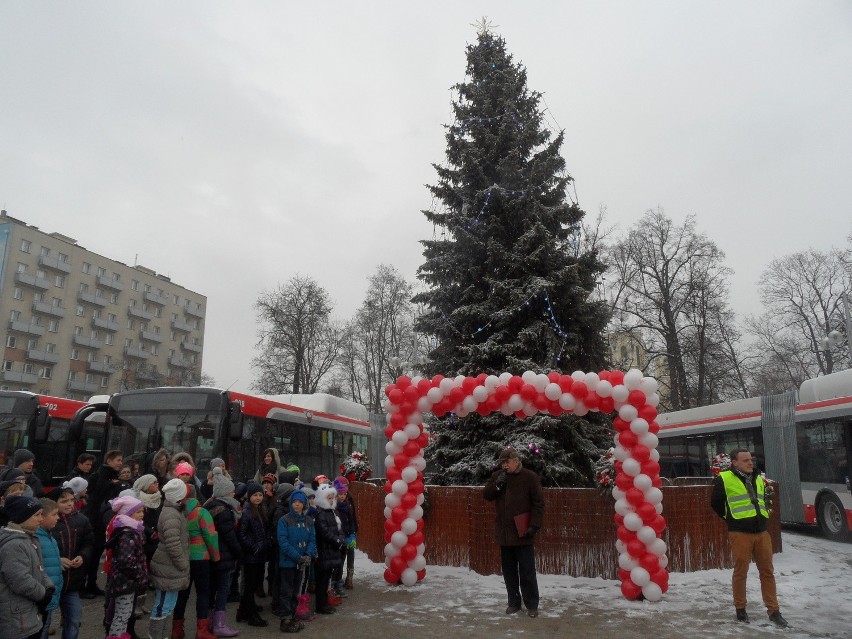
232,383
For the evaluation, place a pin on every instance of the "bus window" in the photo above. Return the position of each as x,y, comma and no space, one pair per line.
822,452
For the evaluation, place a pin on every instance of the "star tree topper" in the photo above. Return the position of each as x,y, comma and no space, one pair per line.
483,25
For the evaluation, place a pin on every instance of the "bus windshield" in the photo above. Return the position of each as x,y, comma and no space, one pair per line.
13,435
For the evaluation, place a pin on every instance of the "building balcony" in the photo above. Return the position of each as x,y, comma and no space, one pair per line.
19,378
82,387
88,298
42,356
25,279
100,367
150,336
107,325
23,327
135,351
108,282
88,342
135,311
54,263
181,326
179,362
195,312
188,346
48,309
151,296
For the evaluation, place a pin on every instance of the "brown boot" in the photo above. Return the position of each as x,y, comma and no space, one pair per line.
348,583
177,629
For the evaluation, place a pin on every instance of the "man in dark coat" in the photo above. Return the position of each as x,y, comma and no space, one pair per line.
103,486
24,460
519,504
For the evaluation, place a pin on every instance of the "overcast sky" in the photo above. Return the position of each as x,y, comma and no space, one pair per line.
231,145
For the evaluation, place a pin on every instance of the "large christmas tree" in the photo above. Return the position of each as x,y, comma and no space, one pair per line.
508,289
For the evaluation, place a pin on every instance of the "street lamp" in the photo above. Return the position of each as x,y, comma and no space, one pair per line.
836,338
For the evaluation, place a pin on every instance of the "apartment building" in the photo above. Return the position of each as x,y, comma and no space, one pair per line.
80,324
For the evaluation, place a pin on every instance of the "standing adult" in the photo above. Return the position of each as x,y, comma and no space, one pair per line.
270,462
739,497
104,485
519,505
24,460
83,468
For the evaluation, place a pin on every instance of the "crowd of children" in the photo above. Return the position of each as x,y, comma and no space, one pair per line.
168,531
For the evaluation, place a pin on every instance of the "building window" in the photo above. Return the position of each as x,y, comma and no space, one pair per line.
171,352
80,311
177,300
158,311
35,320
156,330
60,281
63,258
11,341
172,335
95,334
22,268
134,284
154,348
46,372
96,314
108,338
32,344
41,274
38,297
45,251
104,382
15,316
84,288
28,369
147,288
128,342
87,268
107,360
72,376
132,303
50,347
90,379
143,326
56,302
101,271
113,298
130,324
116,277
7,365
19,293
26,245
99,293
53,326
78,330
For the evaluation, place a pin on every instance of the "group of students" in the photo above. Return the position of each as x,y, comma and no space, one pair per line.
169,531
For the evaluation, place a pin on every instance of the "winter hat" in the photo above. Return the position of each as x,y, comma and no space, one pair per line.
321,479
22,455
240,491
269,477
174,490
76,484
509,453
184,468
310,493
283,492
21,508
142,484
298,495
15,474
341,485
222,486
252,488
129,492
322,497
292,468
6,485
125,505
217,462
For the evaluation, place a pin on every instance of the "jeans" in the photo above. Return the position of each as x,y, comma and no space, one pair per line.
48,616
199,574
72,614
220,586
164,603
519,569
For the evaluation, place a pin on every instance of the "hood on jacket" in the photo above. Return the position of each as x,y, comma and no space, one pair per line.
322,501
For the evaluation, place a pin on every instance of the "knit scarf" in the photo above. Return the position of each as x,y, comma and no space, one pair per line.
151,501
235,506
124,521
749,484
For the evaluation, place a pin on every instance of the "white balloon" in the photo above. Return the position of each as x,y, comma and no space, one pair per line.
459,380
638,425
659,508
528,377
620,393
392,500
391,550
620,546
416,513
632,379
387,513
408,577
435,395
461,412
480,393
424,404
506,410
415,418
633,522
655,454
409,474
392,448
419,463
491,382
552,392
408,526
641,481
540,382
625,562
388,461
390,407
649,440
664,561
420,499
654,496
529,409
412,431
399,539
515,402
658,547
400,438
653,400
604,388
578,376
421,549
504,378
631,467
581,409
387,561
418,563
648,385
446,385
617,493
622,507
592,380
621,453
640,576
469,403
628,413
652,591
646,535
399,487
567,401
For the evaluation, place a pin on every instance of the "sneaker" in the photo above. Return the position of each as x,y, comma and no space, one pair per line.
778,620
742,615
511,610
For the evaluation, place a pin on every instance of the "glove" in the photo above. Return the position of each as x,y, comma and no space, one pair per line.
500,483
44,601
350,541
304,561
531,532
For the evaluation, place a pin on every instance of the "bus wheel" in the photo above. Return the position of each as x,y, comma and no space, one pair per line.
832,518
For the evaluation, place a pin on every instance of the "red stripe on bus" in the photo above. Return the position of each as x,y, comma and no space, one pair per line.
826,402
260,407
59,406
712,420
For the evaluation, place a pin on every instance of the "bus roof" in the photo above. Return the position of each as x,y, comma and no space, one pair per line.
742,413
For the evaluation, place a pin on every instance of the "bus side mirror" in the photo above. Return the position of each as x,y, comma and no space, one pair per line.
42,425
235,421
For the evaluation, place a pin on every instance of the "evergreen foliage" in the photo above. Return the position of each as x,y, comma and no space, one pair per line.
508,288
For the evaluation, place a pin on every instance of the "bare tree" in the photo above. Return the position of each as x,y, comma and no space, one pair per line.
298,341
669,289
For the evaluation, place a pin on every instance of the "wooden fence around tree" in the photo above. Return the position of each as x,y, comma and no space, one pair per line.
577,538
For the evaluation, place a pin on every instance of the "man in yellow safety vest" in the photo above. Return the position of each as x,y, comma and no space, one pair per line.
739,497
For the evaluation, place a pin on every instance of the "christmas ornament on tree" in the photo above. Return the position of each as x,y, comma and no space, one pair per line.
720,462
356,467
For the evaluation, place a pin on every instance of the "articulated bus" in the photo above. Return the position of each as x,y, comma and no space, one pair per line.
316,432
42,424
801,439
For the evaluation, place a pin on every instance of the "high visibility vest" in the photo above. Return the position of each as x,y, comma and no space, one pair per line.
739,504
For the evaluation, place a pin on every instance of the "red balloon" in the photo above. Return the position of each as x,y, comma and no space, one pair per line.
565,383
660,576
520,414
618,466
554,408
553,377
656,481
397,420
408,552
389,431
648,413
492,403
387,537
439,409
416,487
420,524
636,548
468,384
401,460
501,394
627,438
456,396
388,487
607,404
616,378
641,453
604,375
653,427
421,574
623,574
393,473
412,449
483,409
650,562
623,481
391,526
619,519
528,392
620,425
658,524
636,398
541,402
391,577
416,538
592,401
389,389
408,501
579,390
423,440
515,383
647,512
651,468
411,394
436,380
630,590
423,386
398,514
403,382
395,396
635,497
398,564
480,379
622,533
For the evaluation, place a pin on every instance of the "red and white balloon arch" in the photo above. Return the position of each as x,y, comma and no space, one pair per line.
642,556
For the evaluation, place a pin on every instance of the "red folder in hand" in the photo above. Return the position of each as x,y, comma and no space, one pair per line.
522,523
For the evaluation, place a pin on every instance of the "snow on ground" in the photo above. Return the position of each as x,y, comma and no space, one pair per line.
814,590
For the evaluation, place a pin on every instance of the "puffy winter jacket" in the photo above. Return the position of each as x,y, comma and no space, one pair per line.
52,564
22,583
225,521
296,537
252,536
75,537
203,538
170,563
346,512
330,541
128,568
